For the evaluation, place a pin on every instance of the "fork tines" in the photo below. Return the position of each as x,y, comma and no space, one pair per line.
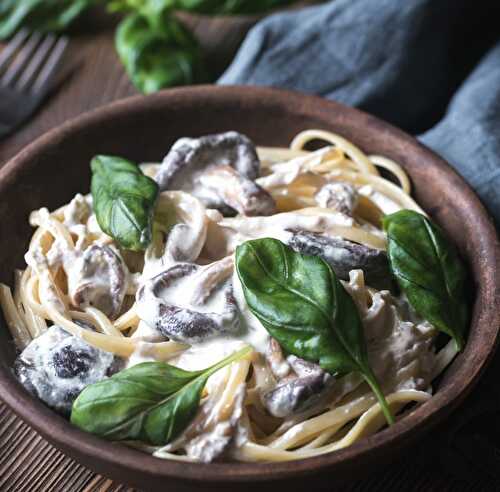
28,62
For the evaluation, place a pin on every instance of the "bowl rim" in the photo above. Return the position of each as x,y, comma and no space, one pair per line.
63,435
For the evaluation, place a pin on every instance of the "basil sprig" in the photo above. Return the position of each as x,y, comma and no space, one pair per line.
429,271
152,402
158,58
124,200
302,304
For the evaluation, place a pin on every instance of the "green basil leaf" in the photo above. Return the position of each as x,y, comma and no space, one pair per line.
429,271
152,402
302,304
158,57
39,15
124,200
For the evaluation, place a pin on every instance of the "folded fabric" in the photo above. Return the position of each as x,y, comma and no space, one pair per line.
468,137
402,61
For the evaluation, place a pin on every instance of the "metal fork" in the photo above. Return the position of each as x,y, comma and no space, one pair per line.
28,64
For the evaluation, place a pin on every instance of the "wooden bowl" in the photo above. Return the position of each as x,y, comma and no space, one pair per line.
55,167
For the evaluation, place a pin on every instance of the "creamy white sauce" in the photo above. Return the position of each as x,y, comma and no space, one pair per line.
212,350
78,211
284,173
339,196
146,333
185,237
278,226
399,343
396,338
383,202
143,353
46,366
398,346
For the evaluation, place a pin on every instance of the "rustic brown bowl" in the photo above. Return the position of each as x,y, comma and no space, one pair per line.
55,167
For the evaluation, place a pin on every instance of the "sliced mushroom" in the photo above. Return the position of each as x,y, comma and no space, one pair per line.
303,367
98,278
188,155
57,366
190,303
180,245
238,192
344,256
339,196
276,360
179,234
211,432
188,166
300,383
294,396
185,240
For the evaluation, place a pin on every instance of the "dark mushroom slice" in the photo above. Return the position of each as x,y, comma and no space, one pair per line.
296,394
98,279
236,191
173,304
185,240
303,367
343,256
57,366
180,244
300,383
188,167
189,155
342,197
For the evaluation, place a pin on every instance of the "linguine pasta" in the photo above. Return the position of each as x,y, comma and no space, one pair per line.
400,344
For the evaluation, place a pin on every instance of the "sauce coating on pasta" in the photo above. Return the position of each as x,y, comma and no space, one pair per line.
181,300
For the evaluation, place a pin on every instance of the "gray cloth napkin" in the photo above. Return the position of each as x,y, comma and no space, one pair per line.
431,67
414,63
468,136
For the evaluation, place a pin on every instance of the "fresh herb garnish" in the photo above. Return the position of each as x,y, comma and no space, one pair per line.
156,50
123,200
302,304
152,402
157,58
429,271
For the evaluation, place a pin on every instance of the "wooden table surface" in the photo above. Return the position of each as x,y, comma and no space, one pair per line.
27,461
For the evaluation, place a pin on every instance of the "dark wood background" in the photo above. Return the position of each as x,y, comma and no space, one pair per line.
92,74
96,77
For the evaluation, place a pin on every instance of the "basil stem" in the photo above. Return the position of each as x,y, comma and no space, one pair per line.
152,402
302,304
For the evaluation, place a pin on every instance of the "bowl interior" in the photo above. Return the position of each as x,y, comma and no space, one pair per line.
52,170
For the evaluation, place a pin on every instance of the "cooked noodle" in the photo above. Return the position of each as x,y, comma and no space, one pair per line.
293,177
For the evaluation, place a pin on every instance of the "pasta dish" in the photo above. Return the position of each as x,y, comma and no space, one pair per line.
237,303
